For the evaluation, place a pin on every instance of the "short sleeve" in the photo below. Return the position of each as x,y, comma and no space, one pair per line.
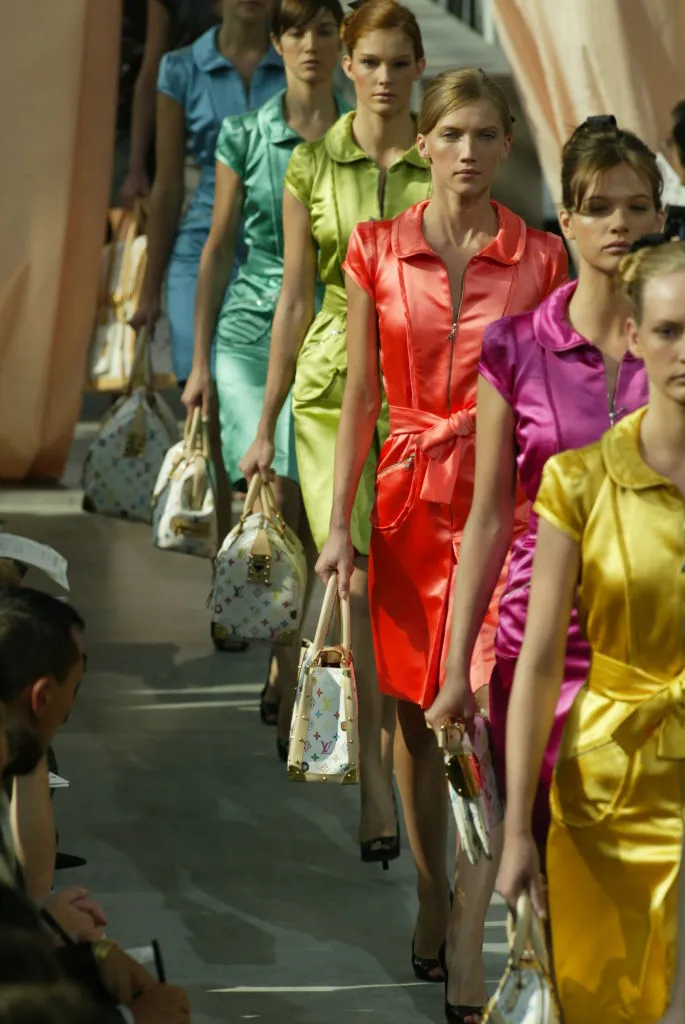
498,357
568,490
299,177
360,262
231,146
172,79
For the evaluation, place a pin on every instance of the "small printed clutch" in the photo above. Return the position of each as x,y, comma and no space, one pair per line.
472,785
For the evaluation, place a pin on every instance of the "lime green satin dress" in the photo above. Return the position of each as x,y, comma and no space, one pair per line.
257,146
615,844
339,184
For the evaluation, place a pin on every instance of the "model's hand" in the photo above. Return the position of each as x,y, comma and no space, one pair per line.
198,390
258,459
454,703
519,871
80,917
163,1004
136,186
337,556
147,314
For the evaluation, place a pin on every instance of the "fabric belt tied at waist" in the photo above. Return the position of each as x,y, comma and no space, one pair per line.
659,706
335,300
441,439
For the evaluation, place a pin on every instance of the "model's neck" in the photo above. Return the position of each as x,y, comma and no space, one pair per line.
598,309
663,436
305,103
384,138
457,220
237,36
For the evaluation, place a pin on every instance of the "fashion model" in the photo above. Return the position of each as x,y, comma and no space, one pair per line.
610,540
366,166
550,379
421,290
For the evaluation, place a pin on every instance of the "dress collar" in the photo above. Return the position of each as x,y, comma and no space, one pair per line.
623,458
342,146
552,327
273,124
506,247
208,57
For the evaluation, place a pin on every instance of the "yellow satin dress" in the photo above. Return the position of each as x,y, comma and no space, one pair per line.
615,844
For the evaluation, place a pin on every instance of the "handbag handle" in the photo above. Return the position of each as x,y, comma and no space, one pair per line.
262,491
525,930
331,599
195,438
141,366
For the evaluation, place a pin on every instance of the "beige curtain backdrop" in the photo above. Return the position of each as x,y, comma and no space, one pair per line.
577,58
58,81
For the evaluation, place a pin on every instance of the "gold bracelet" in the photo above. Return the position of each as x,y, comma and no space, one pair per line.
102,949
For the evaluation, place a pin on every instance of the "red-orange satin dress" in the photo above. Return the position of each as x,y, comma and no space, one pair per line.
424,481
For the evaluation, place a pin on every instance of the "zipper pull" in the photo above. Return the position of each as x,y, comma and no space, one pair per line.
451,336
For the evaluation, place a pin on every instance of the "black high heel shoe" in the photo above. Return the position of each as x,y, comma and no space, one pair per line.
456,1014
268,709
383,849
424,966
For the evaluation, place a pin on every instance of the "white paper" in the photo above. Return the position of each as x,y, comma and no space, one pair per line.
57,782
40,556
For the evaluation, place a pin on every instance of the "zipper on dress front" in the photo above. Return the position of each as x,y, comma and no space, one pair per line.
404,464
453,334
611,400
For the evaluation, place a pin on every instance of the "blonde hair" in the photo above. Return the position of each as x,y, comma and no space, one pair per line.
453,89
378,16
638,268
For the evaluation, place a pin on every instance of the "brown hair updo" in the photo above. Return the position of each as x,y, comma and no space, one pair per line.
637,269
381,15
453,89
594,148
298,13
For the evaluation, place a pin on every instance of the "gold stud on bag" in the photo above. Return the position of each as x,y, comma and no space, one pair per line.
525,995
260,575
472,785
324,733
183,502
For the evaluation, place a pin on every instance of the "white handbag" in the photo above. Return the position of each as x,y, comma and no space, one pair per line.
260,575
472,786
113,345
324,732
183,501
525,995
125,458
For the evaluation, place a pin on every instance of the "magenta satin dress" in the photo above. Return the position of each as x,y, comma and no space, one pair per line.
555,382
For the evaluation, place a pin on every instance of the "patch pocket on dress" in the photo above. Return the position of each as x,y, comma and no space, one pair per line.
395,489
589,787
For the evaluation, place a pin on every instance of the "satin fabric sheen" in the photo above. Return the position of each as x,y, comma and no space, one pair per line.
555,383
615,841
257,147
424,483
339,184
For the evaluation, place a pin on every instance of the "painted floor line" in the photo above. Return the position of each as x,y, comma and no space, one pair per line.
285,989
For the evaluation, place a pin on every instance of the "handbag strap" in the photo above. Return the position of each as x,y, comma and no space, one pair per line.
330,602
261,491
525,931
141,366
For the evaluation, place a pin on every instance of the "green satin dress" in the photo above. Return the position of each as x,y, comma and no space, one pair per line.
339,184
257,147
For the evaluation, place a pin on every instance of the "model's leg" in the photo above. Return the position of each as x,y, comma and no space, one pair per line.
423,788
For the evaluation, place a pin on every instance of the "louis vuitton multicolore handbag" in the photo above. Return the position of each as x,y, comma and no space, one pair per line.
324,734
260,575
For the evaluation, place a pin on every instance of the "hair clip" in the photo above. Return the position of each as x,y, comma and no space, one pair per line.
600,121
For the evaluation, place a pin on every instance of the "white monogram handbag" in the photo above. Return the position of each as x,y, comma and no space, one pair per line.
260,575
472,786
183,501
126,456
324,733
525,995
113,345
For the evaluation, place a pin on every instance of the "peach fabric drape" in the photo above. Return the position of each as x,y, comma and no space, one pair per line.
575,59
58,84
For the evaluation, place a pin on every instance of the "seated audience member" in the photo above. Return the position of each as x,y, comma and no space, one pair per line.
60,1003
41,666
